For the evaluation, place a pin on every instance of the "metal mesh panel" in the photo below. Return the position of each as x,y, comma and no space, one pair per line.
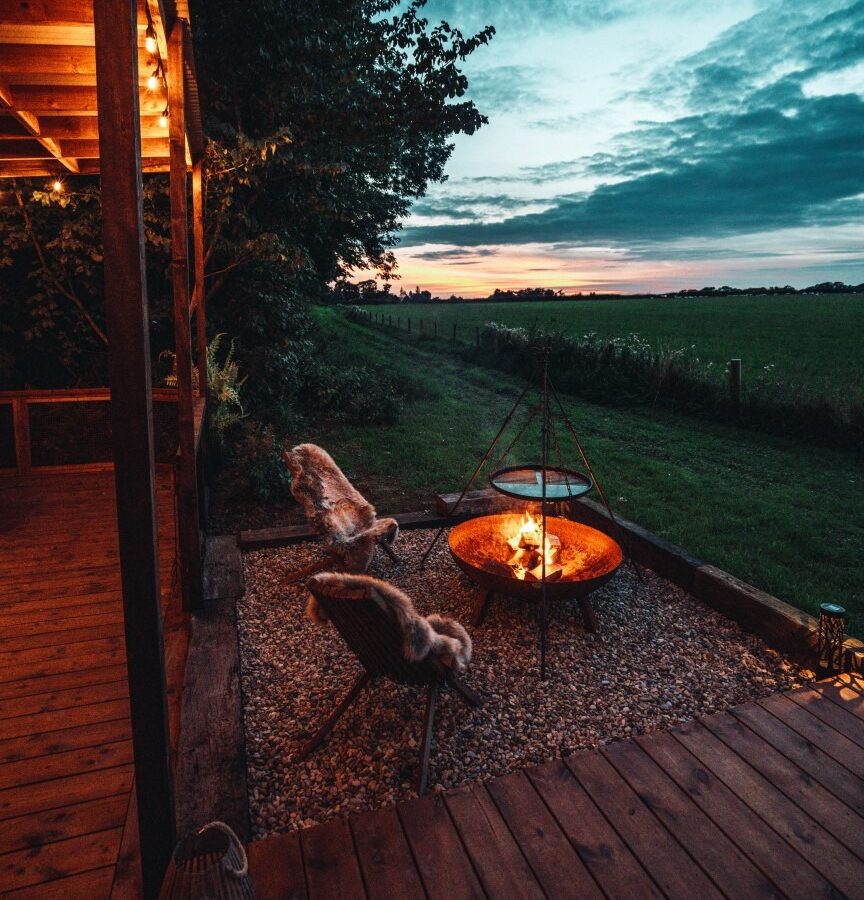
79,432
72,433
165,430
7,437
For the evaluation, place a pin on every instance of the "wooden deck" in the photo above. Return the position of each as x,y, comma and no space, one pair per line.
766,800
67,819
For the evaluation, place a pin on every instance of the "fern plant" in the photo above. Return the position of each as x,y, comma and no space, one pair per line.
223,384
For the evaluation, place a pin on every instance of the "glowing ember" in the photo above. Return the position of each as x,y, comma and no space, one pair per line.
527,560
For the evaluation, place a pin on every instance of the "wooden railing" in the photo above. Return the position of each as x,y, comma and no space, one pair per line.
16,431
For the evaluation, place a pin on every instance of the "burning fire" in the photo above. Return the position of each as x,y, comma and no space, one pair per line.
527,559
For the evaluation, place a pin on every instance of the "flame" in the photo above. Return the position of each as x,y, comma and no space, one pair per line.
528,535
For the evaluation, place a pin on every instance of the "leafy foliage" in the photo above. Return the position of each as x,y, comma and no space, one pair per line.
324,121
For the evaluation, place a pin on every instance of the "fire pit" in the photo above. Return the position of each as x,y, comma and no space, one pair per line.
502,553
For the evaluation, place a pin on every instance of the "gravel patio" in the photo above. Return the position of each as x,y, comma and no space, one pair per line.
659,658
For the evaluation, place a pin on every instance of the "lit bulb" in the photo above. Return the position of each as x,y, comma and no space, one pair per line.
150,43
152,82
163,119
57,186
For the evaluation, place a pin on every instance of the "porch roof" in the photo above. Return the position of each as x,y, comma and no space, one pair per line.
48,105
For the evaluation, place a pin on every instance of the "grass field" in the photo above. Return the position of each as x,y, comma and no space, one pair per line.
816,341
781,516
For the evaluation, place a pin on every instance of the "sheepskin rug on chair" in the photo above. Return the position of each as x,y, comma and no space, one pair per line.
336,509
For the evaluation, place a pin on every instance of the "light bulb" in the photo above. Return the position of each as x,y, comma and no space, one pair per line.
57,186
152,82
150,44
163,119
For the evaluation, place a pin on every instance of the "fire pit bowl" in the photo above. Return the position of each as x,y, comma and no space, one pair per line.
484,547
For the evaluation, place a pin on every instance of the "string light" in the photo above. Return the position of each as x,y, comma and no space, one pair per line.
163,119
150,40
57,186
153,80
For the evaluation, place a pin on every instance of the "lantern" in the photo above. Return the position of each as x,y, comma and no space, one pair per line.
832,628
211,863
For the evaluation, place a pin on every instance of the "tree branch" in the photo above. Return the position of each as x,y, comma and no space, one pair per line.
58,285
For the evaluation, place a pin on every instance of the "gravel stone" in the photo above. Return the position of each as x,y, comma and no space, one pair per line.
660,658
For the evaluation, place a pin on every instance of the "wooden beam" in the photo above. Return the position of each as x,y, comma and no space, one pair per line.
47,12
90,149
86,128
199,299
66,100
188,525
31,125
132,427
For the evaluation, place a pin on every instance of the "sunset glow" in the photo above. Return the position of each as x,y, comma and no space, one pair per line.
635,147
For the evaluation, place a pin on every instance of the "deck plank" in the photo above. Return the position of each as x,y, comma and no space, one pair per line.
545,846
824,852
662,856
441,857
606,856
844,785
822,806
385,858
65,750
278,867
331,868
814,730
497,858
724,863
785,867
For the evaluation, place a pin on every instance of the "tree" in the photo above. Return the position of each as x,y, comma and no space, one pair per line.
324,121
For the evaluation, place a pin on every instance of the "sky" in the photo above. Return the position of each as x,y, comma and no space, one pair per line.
650,146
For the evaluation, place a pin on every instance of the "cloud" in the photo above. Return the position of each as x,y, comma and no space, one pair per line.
471,207
521,16
507,88
456,254
718,174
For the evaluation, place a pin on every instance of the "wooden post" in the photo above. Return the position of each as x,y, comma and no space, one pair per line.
735,382
454,332
399,322
409,326
116,37
200,294
21,428
188,528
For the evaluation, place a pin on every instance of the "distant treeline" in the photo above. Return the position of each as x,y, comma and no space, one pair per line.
368,292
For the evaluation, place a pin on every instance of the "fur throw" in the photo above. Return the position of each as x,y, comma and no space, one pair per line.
336,509
444,638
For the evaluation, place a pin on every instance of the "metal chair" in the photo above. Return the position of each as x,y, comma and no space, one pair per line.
374,636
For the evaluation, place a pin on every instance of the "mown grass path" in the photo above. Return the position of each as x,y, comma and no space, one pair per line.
785,517
816,341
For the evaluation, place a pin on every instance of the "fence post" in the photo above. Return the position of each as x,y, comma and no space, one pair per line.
477,336
399,322
454,332
409,326
735,382
390,317
421,326
435,328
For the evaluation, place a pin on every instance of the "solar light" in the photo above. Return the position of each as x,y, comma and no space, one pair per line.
832,627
